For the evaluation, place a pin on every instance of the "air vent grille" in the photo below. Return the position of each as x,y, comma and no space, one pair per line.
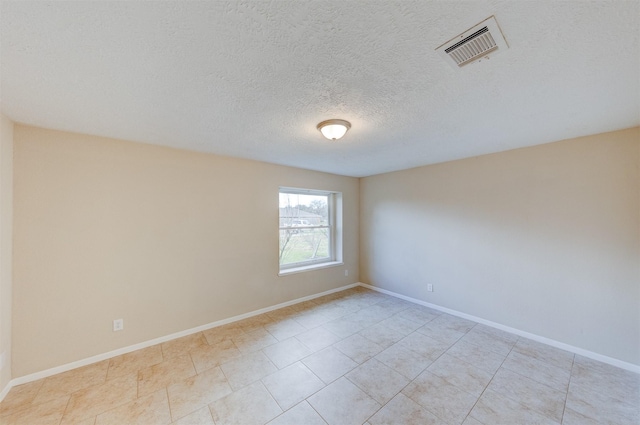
474,44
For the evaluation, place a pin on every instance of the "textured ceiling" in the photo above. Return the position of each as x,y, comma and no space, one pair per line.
252,79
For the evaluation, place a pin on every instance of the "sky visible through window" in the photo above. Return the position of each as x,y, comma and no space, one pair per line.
293,199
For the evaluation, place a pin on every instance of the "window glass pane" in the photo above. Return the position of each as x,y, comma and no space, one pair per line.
298,210
304,235
298,245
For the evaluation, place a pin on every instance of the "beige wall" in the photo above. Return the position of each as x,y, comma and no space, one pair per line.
6,217
165,239
543,239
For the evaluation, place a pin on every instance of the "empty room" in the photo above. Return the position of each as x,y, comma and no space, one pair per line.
319,212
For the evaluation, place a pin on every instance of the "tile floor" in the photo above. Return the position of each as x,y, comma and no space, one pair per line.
353,357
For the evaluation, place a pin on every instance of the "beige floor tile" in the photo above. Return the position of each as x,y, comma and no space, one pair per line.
317,338
343,327
379,381
381,335
554,356
197,391
358,348
393,305
65,383
282,313
538,371
380,312
471,421
463,375
439,397
88,421
368,316
209,356
129,363
326,299
602,406
420,315
539,397
593,367
151,409
247,369
571,417
336,310
199,417
250,405
401,325
329,364
403,410
20,397
491,339
497,333
615,382
347,301
364,318
97,399
404,361
493,408
47,413
164,374
343,403
181,346
286,352
222,333
312,319
440,333
308,305
476,355
253,341
455,323
425,346
292,384
285,329
254,323
301,414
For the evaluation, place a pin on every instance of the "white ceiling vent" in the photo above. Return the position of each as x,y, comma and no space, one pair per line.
475,44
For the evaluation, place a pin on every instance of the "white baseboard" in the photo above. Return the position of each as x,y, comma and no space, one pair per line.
576,350
6,390
97,358
90,360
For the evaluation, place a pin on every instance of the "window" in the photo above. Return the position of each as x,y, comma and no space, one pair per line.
309,229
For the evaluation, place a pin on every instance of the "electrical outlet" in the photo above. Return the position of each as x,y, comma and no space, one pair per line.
118,325
429,287
346,272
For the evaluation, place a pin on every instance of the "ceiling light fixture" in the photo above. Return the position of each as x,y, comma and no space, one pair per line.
334,129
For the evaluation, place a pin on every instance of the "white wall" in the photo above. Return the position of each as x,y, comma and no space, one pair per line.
544,239
165,239
6,229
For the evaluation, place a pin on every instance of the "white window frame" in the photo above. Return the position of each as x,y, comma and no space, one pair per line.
334,203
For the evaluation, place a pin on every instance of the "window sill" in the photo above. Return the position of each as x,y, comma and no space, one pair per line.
310,267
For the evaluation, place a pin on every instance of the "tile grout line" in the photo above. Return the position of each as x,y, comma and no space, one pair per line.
409,379
535,380
489,383
166,392
344,375
566,398
432,362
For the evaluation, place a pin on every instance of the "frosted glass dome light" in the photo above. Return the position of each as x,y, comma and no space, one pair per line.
334,129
